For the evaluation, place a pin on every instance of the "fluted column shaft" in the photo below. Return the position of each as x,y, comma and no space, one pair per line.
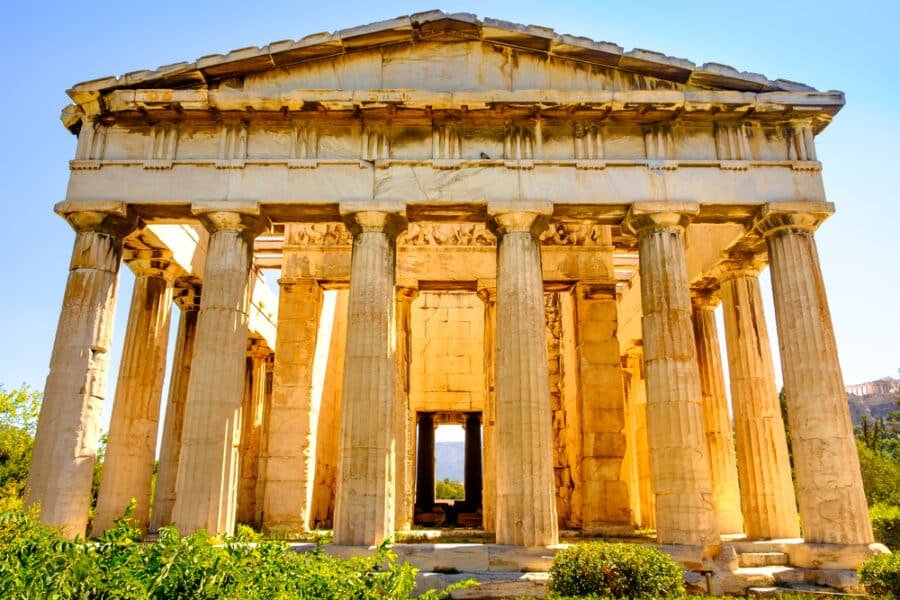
719,436
679,460
364,513
403,506
131,449
829,486
206,488
290,456
170,448
68,430
489,474
251,432
767,492
526,495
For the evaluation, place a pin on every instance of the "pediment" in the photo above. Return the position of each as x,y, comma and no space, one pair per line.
435,51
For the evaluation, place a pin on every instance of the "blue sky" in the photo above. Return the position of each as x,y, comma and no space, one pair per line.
49,46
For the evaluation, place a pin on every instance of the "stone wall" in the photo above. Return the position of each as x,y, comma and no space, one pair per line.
447,358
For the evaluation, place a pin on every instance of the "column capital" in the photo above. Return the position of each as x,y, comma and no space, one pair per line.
527,217
187,297
407,293
374,217
739,264
645,217
592,290
104,216
797,217
151,262
231,216
257,349
705,298
486,289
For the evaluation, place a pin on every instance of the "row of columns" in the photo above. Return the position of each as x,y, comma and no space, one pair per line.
681,368
693,476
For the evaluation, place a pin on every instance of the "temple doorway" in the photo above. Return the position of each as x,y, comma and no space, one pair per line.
437,510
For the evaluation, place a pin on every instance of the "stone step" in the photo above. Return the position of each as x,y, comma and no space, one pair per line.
489,585
809,590
838,580
763,559
742,546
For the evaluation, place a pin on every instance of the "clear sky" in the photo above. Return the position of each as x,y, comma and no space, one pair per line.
853,47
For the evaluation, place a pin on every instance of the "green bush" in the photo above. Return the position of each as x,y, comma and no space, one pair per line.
886,524
615,571
881,575
35,562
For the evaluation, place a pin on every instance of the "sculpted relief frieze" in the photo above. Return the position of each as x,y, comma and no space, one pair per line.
446,234
576,234
449,235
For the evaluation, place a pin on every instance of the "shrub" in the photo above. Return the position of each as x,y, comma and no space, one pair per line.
886,524
615,571
881,575
36,562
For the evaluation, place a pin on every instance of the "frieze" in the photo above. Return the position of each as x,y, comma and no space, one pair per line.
576,234
446,234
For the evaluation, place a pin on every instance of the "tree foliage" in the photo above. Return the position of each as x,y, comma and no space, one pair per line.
449,490
19,410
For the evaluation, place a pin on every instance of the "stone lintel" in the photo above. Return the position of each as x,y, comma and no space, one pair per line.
644,216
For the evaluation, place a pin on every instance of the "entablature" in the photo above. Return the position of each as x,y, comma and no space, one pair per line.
286,189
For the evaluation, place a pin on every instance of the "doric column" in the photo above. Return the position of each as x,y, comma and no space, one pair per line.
679,461
206,487
472,463
719,436
251,431
829,486
767,492
488,294
170,448
526,496
403,506
290,455
131,449
68,431
364,513
425,462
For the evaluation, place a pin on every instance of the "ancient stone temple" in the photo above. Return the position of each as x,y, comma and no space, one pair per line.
475,222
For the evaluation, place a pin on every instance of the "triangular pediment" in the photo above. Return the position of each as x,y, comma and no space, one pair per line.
441,52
